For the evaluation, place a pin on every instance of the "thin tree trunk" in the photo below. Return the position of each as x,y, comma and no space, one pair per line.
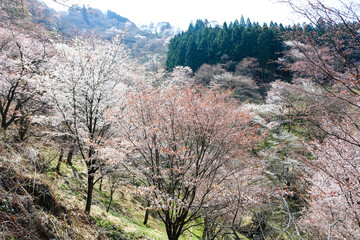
57,169
101,181
23,128
70,155
206,229
146,218
89,192
111,198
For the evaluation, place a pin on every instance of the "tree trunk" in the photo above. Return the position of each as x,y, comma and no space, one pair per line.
206,229
23,128
172,236
89,191
70,155
100,184
173,231
111,198
146,218
57,169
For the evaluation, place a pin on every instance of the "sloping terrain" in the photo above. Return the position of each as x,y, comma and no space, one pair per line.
38,203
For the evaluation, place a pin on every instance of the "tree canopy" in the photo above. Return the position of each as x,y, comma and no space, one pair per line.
202,43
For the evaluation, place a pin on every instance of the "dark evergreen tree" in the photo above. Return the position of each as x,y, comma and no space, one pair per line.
281,27
203,46
191,57
242,21
180,61
266,40
236,23
199,25
237,51
248,23
224,41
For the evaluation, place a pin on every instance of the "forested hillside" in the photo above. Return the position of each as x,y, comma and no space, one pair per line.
211,45
251,132
246,50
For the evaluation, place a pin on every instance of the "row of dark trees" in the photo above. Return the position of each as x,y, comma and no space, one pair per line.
231,43
205,44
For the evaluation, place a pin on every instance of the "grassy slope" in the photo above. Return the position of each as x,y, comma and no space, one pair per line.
123,221
126,213
68,191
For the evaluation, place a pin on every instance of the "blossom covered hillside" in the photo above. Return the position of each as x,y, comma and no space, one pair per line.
102,141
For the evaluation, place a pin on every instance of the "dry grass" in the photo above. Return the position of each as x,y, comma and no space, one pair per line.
36,203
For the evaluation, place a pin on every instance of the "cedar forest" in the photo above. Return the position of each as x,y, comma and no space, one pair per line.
233,131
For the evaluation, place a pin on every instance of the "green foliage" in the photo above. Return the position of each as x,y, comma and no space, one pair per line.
205,44
103,222
6,206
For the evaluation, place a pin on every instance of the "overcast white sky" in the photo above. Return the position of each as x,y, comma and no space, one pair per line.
181,12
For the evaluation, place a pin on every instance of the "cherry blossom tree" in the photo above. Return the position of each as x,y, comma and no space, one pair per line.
334,209
244,88
280,158
22,65
88,78
329,164
329,55
186,144
236,213
326,63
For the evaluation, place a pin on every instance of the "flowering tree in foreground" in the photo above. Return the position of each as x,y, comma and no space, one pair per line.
89,77
186,145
